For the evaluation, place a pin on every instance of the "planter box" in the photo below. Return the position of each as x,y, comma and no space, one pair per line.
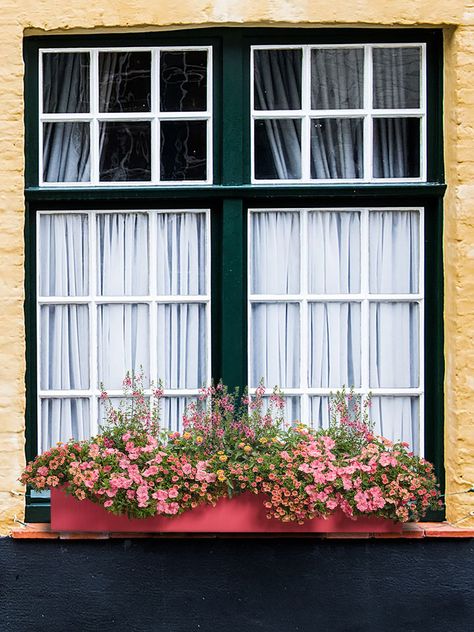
244,513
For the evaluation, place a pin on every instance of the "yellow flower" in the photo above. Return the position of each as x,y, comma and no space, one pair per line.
223,458
221,452
221,475
186,435
199,439
247,449
241,445
263,440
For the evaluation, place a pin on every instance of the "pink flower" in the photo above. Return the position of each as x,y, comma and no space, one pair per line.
173,492
108,503
43,470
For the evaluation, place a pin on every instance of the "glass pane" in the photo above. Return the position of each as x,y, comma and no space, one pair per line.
277,79
64,255
397,77
63,419
66,82
333,252
64,347
172,411
291,412
337,148
278,149
122,254
398,419
182,345
125,82
275,345
181,252
123,342
124,403
66,151
394,244
319,412
337,78
396,147
183,150
125,149
334,345
275,252
183,81
394,345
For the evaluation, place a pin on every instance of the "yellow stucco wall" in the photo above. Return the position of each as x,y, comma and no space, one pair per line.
19,18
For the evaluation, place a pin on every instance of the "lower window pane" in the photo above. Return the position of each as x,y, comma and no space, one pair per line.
181,345
125,151
278,149
183,150
172,411
66,152
334,344
337,148
63,419
291,413
275,345
64,347
319,412
394,345
124,343
396,148
398,419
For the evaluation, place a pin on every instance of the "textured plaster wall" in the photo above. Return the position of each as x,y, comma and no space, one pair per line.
26,17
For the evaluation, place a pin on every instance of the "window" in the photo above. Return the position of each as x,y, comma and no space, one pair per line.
236,204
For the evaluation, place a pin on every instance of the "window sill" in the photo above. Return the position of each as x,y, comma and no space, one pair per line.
410,531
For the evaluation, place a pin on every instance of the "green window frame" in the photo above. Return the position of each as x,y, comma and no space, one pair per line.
231,194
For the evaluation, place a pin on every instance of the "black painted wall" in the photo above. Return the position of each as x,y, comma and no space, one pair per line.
241,585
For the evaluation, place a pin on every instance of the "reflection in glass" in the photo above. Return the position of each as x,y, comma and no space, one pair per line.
396,147
66,82
125,81
183,150
277,80
66,152
397,77
278,149
337,148
337,78
125,149
183,81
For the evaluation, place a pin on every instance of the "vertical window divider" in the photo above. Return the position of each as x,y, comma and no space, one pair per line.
306,120
39,411
365,304
94,124
368,123
155,109
208,305
421,325
153,306
93,337
304,317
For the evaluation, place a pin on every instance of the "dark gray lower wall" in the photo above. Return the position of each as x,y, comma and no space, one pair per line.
214,585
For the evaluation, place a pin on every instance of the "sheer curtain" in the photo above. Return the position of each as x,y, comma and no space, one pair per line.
332,330
337,83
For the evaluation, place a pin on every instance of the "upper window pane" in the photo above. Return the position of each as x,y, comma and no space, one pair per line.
397,74
66,82
337,78
349,113
125,82
277,79
183,81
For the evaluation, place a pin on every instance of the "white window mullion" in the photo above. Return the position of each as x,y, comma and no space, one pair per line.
94,125
155,109
368,122
306,120
208,304
365,306
153,307
421,316
39,424
93,338
304,403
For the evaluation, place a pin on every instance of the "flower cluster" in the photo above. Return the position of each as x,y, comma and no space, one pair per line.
230,445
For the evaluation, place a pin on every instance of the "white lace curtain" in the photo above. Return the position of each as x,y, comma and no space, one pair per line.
122,336
329,333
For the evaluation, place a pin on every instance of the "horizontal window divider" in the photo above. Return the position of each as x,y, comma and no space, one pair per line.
85,300
87,393
181,190
326,391
334,298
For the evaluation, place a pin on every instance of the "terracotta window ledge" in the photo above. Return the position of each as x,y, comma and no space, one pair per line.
412,530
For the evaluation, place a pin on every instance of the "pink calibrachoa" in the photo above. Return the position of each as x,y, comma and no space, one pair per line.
136,468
